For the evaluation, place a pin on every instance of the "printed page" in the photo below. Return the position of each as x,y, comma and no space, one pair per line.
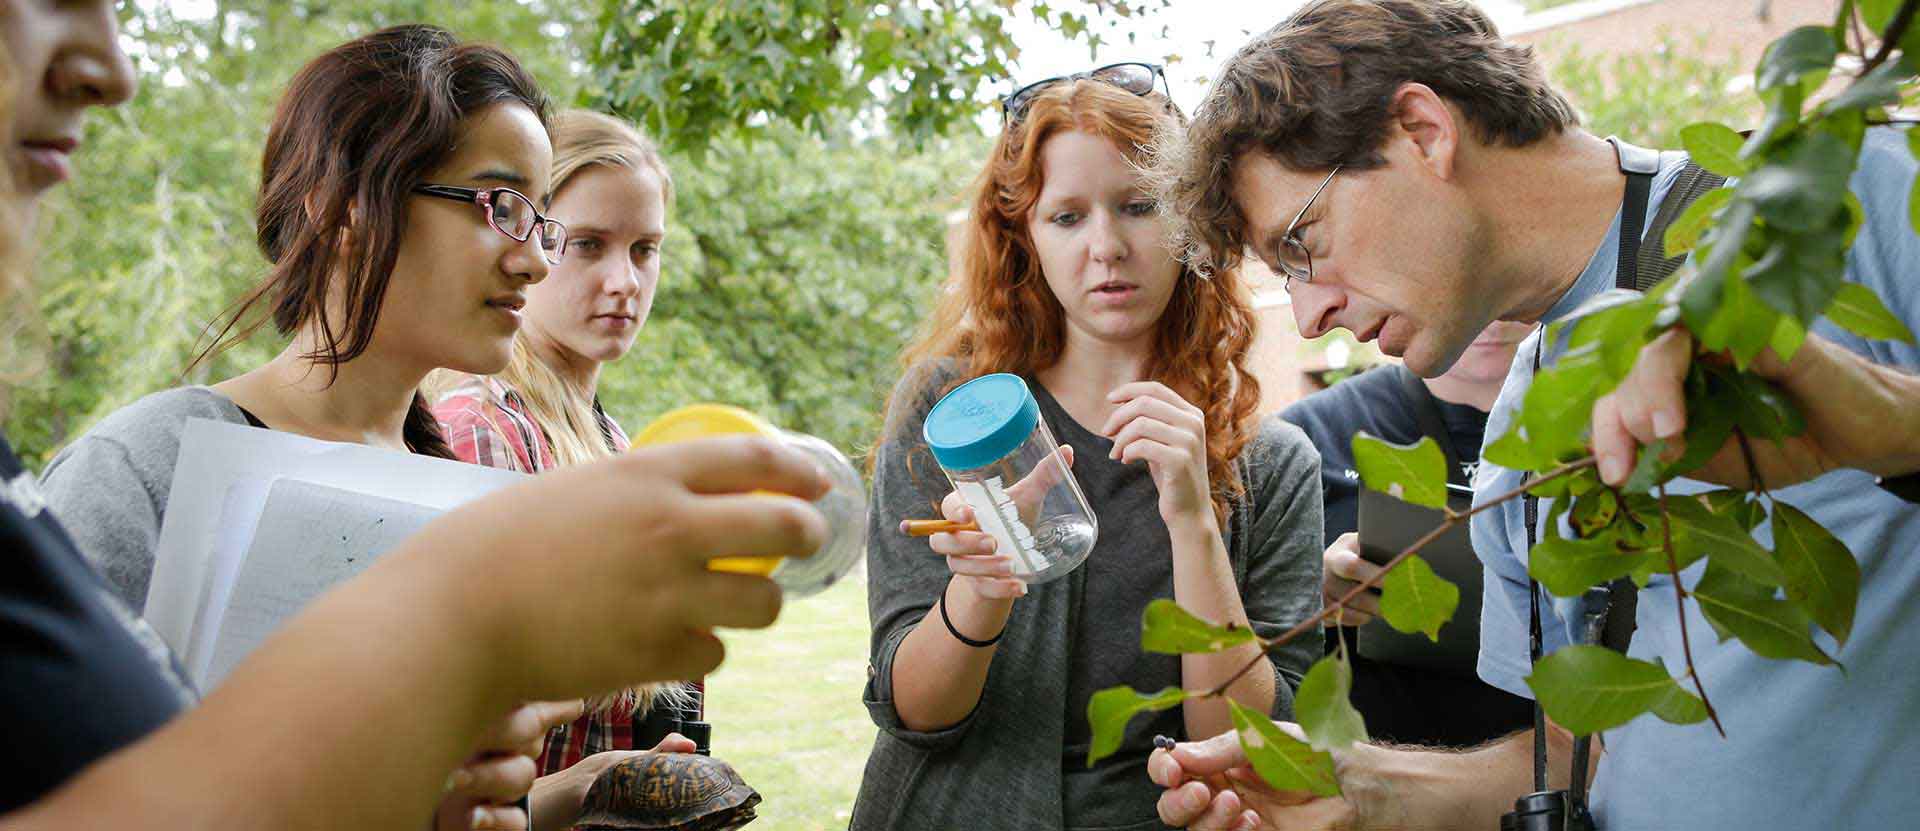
310,538
220,487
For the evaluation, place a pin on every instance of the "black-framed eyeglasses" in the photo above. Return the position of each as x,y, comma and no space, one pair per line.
1132,76
1295,262
511,213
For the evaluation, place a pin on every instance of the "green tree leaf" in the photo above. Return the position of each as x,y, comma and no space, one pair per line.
1715,147
1109,710
1513,452
1284,762
1587,689
1803,190
1324,708
1740,608
1821,574
1913,199
1699,531
1684,232
1735,505
1167,629
1877,14
1857,309
1559,403
1788,335
1648,468
1415,599
1799,274
1618,332
1805,51
1415,473
1568,567
1758,407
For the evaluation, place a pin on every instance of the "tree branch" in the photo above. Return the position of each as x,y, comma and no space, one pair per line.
1334,608
1890,39
1680,608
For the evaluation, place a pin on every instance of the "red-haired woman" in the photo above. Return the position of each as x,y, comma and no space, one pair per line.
1138,365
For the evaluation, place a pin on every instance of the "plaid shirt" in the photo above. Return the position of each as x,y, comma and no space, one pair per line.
487,423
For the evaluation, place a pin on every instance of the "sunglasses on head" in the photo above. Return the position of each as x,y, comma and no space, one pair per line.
1132,76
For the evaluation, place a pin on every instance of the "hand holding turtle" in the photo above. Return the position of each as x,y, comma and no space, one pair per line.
558,799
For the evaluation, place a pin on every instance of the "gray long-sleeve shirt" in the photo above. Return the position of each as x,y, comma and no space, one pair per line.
1023,749
110,486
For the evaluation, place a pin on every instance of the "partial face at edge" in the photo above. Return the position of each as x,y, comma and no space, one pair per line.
459,287
592,306
65,58
1101,246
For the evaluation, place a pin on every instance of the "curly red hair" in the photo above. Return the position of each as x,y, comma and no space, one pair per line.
997,314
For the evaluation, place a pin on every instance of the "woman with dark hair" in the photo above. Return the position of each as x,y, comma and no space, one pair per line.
359,712
980,682
397,206
376,279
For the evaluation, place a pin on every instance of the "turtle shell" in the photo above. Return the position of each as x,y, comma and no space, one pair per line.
682,791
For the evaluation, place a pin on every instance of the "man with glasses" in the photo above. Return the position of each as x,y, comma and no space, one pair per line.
1415,178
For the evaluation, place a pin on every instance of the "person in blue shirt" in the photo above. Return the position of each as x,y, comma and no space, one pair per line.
1415,177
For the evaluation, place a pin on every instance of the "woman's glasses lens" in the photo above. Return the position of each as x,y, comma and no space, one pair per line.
553,238
1132,77
513,214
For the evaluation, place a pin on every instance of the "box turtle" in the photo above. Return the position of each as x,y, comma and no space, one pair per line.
681,791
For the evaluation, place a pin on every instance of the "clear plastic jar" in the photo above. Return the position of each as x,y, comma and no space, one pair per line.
844,506
989,438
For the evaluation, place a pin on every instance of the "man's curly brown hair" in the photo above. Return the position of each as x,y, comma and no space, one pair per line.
1315,91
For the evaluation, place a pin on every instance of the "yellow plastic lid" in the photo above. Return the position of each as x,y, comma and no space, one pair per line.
699,421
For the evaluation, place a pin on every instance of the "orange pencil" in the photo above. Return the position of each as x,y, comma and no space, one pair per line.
929,527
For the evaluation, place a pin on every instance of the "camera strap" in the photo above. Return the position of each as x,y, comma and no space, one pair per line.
1609,617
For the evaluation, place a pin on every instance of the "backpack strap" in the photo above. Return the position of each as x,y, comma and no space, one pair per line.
1653,264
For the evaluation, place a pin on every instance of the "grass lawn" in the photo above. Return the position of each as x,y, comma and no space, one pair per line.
786,709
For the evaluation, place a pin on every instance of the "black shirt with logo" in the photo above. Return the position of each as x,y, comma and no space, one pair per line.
1404,704
80,676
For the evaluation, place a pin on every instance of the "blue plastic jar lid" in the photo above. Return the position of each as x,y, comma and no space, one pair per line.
981,421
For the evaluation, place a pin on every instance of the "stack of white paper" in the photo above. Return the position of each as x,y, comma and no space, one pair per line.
261,522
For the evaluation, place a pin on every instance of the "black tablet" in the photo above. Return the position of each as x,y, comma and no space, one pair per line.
1387,527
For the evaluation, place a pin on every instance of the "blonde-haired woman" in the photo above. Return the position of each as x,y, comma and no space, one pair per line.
612,188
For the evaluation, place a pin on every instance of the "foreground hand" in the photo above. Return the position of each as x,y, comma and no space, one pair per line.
1342,568
559,799
1858,415
1155,425
481,793
624,543
1211,787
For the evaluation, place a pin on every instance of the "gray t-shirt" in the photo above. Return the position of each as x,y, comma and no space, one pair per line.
1023,749
109,487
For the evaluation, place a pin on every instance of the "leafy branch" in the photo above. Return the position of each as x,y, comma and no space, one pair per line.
1411,551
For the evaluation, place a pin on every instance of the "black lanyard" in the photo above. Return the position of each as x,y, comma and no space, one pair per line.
1611,608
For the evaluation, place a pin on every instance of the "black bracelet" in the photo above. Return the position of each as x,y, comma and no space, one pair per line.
955,632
